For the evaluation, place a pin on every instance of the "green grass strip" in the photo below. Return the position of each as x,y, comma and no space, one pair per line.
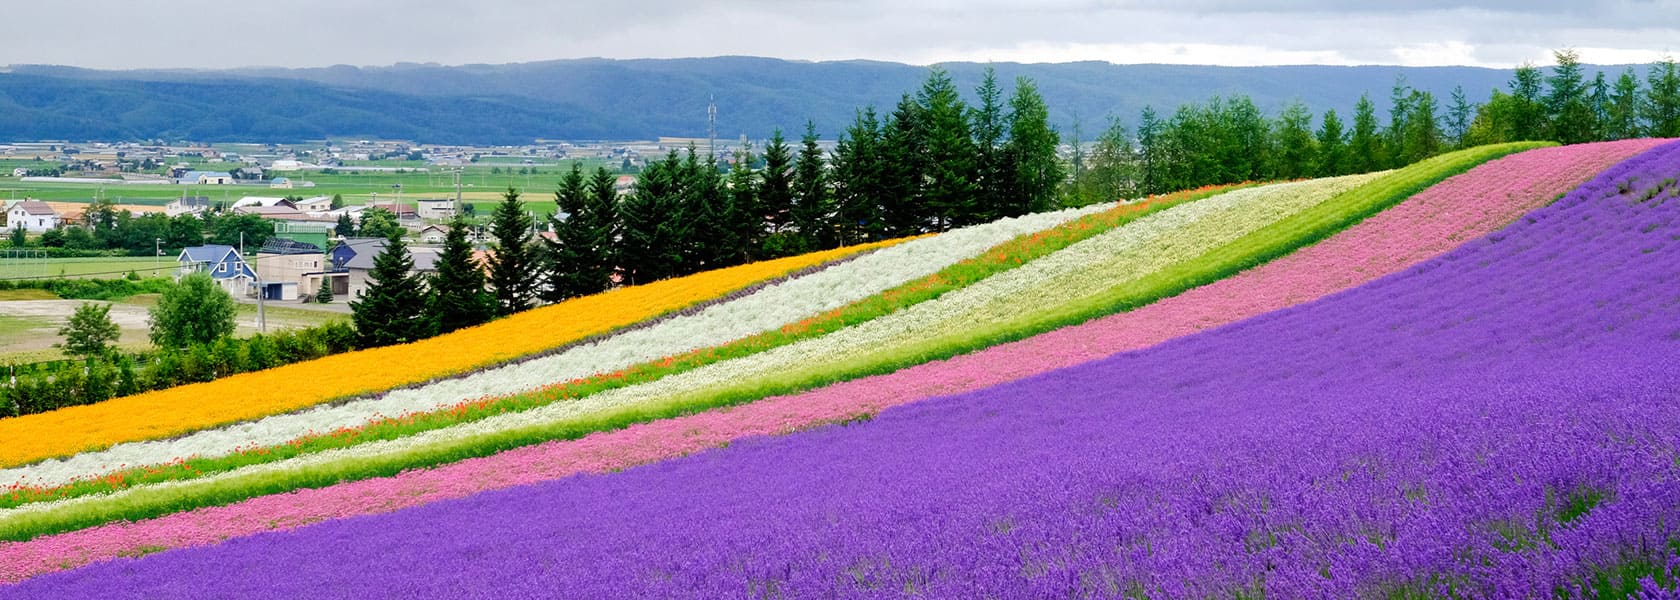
1004,257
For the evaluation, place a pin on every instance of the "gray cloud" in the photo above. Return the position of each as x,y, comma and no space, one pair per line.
205,34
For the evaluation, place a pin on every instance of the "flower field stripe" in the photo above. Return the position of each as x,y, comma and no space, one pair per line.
612,408
165,413
1440,218
1390,441
1003,257
766,309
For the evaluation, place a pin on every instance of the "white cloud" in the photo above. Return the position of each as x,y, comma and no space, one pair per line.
142,33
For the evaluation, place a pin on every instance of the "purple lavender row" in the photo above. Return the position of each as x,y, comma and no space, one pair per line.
1503,421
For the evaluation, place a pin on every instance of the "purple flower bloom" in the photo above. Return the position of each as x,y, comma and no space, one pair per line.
1503,421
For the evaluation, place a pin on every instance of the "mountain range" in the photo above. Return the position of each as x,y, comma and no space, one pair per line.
595,98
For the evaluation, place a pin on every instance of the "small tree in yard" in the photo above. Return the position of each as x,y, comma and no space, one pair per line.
324,295
90,331
193,311
393,308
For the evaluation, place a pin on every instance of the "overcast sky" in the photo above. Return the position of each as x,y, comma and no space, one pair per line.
301,33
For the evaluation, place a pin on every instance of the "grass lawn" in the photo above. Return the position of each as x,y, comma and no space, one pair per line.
99,268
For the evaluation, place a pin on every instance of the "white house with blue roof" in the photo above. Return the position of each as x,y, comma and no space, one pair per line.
224,265
205,178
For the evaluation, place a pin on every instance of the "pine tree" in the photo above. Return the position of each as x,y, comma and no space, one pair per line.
393,308
459,298
904,162
1150,159
950,187
711,214
1297,148
653,224
857,181
603,213
1030,154
1245,140
1112,171
1528,112
1661,109
743,196
567,253
345,227
324,294
1364,148
813,208
1332,146
775,190
1394,137
512,265
1600,102
991,168
1622,118
1423,129
1570,117
1458,117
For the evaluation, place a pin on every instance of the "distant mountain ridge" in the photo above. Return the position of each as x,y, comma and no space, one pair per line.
595,98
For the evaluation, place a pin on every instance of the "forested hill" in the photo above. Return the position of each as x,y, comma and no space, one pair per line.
628,99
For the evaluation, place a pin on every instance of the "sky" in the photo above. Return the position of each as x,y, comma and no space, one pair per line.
127,34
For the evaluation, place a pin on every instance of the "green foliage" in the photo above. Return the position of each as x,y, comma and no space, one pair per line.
324,294
193,311
378,222
857,175
89,331
949,172
1332,157
393,308
775,188
459,298
233,230
1029,158
512,262
1661,109
91,289
654,223
1571,117
813,207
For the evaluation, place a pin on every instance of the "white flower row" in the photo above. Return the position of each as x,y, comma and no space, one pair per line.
1205,223
764,310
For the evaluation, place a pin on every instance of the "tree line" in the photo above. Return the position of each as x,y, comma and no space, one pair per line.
932,163
1228,139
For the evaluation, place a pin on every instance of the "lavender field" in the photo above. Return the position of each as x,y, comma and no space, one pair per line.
1502,421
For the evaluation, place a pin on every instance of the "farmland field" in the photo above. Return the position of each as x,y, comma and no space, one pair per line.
1451,379
98,268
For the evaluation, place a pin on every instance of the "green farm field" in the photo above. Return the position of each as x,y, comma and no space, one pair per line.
96,268
478,185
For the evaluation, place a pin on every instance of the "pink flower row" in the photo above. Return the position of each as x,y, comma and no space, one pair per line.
1430,223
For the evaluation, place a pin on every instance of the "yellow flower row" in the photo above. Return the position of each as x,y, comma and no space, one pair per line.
165,413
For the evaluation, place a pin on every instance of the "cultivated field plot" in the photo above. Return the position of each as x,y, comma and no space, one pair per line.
1451,379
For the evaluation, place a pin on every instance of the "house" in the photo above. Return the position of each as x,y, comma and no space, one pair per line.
205,178
354,257
433,234
435,209
263,201
20,172
187,205
223,263
316,204
280,183
34,216
289,270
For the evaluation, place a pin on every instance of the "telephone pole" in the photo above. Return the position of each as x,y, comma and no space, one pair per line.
711,128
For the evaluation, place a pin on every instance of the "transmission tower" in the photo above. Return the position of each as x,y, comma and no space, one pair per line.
711,126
